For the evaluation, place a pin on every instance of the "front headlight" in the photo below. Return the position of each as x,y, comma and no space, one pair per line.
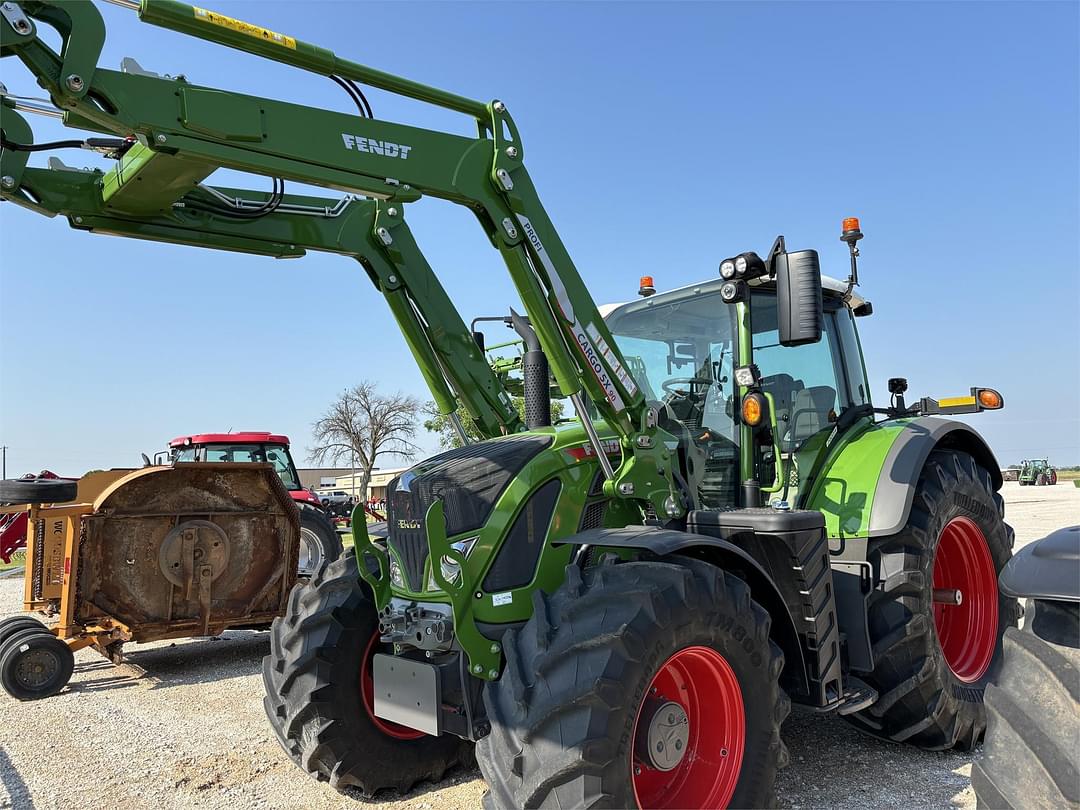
396,578
727,269
450,569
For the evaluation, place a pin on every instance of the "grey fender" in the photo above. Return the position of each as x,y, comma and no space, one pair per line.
904,463
728,557
1046,569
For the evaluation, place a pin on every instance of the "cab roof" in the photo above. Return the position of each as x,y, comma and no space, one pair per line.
243,437
828,285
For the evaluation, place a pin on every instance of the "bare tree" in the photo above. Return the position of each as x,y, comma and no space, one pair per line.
364,425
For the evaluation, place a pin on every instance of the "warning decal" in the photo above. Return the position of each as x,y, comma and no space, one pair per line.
242,27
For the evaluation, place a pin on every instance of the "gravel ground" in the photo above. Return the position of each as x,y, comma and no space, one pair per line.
182,726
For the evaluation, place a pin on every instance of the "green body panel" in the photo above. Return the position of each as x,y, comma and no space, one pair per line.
566,459
843,489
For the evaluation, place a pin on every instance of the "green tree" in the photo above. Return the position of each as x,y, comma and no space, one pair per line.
448,437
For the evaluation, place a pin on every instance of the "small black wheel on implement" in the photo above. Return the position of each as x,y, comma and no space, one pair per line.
320,693
319,541
35,664
10,625
37,490
638,684
937,618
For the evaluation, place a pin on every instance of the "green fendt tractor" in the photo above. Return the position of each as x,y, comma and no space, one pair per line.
615,611
1036,472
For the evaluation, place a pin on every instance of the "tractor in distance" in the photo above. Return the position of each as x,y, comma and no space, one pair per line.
319,540
1036,472
615,611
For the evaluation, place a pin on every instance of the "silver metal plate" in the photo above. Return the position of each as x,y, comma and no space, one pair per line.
407,692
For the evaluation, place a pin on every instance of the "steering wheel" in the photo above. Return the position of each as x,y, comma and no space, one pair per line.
668,385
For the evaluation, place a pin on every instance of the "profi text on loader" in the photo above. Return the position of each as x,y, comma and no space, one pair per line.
617,610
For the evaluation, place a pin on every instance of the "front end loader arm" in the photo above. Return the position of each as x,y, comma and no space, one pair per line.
439,340
187,131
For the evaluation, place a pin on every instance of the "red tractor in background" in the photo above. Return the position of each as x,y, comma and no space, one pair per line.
319,539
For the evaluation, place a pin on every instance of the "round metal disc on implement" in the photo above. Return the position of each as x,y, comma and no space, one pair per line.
208,543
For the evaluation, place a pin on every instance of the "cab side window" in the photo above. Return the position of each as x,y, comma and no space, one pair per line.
807,383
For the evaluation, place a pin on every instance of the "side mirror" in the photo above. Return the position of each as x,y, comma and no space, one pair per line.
798,297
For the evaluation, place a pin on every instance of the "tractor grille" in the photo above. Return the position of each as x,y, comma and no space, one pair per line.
467,479
592,516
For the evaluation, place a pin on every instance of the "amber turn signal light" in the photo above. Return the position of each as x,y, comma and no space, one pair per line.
753,409
989,399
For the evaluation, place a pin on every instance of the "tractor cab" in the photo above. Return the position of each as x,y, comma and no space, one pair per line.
747,399
247,446
319,540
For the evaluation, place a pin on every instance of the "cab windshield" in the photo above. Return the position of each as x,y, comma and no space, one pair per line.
680,350
259,453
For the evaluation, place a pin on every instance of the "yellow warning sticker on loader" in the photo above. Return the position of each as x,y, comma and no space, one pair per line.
242,27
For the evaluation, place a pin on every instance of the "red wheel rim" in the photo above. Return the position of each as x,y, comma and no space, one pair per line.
705,686
967,632
367,694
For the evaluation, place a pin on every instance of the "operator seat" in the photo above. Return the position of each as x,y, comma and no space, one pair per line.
783,389
811,411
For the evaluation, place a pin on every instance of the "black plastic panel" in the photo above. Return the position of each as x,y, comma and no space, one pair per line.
515,562
468,480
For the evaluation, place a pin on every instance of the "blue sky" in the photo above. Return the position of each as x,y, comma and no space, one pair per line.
662,137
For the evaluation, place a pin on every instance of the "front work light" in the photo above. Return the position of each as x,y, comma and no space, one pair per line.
749,265
753,409
733,291
727,268
747,376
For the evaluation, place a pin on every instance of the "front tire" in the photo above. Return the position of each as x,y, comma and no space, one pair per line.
933,660
619,659
1030,757
317,694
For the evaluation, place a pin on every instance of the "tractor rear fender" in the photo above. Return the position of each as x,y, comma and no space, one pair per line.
728,557
867,483
904,462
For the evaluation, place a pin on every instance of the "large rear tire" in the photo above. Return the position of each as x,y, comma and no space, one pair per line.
932,660
1032,753
319,541
319,698
622,659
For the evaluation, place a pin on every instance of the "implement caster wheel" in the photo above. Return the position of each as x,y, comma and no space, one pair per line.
11,625
35,664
